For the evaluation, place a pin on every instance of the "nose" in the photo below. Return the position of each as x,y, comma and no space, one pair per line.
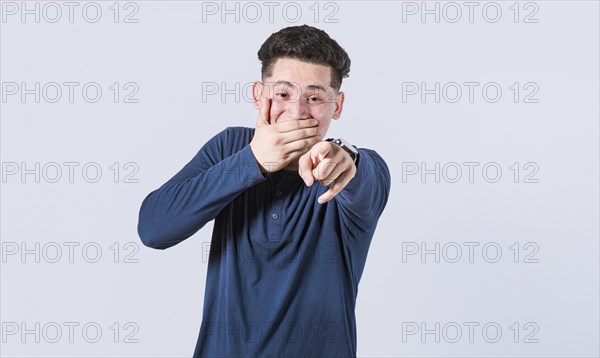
297,109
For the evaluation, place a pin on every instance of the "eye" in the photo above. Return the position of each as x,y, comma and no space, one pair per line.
282,95
314,99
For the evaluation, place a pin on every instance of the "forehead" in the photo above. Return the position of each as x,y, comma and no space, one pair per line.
301,73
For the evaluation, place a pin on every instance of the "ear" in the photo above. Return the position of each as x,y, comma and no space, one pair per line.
257,89
339,105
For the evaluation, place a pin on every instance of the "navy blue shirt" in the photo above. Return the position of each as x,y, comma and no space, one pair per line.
283,270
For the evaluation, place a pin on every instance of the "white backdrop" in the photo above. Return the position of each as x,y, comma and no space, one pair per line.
486,112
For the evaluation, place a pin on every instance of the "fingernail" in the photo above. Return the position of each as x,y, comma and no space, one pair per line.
314,122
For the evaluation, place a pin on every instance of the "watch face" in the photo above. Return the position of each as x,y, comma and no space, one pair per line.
349,147
346,146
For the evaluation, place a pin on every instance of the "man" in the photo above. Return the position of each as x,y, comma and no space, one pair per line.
294,214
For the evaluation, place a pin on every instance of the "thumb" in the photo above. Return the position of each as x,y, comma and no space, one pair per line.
265,109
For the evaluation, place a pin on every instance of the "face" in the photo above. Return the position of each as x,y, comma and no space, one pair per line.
300,90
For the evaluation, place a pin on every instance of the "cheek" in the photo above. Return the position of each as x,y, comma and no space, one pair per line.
326,111
321,114
276,110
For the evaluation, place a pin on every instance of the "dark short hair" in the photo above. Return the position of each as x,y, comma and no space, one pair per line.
305,43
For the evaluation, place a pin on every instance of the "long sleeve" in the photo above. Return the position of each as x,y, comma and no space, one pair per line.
363,199
218,173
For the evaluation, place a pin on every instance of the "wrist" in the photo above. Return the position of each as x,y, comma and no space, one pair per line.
260,166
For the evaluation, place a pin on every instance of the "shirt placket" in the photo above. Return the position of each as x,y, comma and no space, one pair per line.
276,215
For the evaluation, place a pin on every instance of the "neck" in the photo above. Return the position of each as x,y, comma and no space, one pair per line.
292,166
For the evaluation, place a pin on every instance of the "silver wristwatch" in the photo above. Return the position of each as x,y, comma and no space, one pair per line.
346,146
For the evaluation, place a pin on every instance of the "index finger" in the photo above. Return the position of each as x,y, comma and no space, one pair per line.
305,168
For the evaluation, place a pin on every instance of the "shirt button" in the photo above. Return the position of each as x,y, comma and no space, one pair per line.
278,193
275,216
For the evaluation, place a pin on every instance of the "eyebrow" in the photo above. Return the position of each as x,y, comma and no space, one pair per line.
311,87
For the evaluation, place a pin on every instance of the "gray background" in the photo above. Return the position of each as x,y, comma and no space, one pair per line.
153,299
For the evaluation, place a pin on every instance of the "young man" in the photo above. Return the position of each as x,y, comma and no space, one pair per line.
294,214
